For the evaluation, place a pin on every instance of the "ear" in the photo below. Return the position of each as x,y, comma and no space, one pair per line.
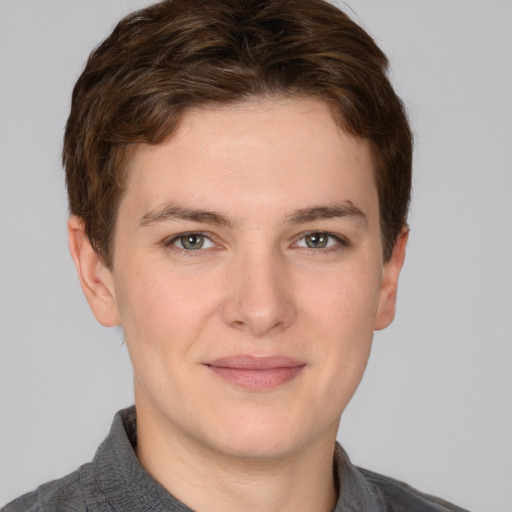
389,285
95,279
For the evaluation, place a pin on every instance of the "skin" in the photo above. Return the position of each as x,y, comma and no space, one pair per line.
254,288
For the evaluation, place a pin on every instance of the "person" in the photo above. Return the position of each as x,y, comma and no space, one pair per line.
239,176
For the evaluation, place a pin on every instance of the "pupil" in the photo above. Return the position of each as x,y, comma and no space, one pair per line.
193,241
316,240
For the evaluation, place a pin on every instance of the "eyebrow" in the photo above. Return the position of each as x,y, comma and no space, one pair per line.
172,212
300,216
342,210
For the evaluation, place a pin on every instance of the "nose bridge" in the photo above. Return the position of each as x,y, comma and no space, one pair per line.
259,299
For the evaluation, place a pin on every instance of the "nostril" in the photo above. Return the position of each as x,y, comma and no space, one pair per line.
258,300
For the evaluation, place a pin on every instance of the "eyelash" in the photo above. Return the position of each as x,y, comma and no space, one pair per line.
168,243
341,242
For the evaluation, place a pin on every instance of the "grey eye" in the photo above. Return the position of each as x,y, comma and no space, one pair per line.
317,240
191,242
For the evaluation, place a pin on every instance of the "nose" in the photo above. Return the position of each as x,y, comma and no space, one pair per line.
260,295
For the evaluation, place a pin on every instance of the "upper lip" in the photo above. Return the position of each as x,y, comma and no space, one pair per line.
249,362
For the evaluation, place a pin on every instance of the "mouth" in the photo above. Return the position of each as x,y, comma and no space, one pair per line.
256,373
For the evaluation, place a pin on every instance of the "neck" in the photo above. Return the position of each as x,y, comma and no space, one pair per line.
206,480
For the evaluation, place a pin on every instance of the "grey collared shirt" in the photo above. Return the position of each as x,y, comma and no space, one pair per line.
115,481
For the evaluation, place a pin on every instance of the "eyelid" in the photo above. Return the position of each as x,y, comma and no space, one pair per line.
170,240
340,239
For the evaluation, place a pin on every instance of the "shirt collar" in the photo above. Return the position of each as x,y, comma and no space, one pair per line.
126,486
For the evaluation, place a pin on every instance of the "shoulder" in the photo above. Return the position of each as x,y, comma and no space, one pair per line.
67,494
399,496
92,485
366,491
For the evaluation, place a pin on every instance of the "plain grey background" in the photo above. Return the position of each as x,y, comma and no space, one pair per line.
435,406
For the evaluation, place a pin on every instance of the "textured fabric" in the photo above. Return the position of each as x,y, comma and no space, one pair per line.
115,481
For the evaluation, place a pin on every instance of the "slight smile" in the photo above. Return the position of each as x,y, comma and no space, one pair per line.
256,373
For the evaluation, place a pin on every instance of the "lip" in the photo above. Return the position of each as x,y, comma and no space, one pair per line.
256,373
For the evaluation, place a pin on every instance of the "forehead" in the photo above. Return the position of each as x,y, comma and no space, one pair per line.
265,152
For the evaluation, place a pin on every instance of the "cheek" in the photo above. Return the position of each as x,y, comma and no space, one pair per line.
167,313
161,310
343,313
346,300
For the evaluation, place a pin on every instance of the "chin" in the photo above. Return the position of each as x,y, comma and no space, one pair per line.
262,437
258,447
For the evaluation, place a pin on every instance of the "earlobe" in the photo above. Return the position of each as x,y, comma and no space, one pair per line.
95,279
389,286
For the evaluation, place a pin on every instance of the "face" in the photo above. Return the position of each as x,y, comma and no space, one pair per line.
248,276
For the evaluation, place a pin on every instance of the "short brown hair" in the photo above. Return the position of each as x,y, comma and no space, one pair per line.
178,54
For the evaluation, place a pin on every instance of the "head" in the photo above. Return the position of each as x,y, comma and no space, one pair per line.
177,55
239,176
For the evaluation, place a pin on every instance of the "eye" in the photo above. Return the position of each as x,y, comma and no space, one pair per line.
191,242
319,240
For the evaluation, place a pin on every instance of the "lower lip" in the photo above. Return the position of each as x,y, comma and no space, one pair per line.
257,380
